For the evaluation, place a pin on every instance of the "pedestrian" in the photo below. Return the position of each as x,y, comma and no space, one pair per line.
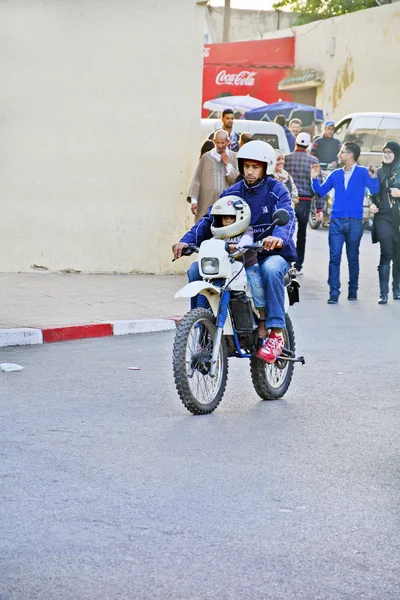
298,164
386,227
244,138
217,170
346,224
326,148
280,120
264,195
206,146
227,119
295,126
284,177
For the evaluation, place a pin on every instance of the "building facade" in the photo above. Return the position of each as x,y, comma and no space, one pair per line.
94,165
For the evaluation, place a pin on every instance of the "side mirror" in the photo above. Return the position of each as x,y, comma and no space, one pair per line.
281,217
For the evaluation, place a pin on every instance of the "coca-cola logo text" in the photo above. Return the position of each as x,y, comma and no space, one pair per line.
242,78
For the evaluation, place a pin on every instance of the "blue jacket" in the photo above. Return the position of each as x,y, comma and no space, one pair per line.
290,138
263,199
347,203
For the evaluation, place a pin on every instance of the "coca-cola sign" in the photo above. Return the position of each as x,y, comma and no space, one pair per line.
243,78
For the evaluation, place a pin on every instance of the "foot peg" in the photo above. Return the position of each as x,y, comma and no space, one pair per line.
289,356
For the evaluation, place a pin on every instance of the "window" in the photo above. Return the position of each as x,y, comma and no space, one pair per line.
389,131
341,130
270,138
362,131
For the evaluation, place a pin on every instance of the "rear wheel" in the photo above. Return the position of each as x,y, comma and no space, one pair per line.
312,218
193,348
271,381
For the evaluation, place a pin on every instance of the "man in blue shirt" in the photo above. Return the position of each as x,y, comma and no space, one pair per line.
346,224
280,120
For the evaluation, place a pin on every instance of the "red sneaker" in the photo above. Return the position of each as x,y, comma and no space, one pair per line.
272,348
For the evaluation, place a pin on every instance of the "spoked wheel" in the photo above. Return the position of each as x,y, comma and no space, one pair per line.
271,382
193,347
312,218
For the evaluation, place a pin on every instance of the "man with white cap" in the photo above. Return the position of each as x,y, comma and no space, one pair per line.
298,164
326,148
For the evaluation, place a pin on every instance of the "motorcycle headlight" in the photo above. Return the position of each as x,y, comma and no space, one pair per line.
210,266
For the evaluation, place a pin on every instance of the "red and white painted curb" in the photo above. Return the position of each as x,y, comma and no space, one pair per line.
24,336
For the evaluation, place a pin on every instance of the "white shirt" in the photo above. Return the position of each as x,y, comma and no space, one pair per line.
348,174
217,157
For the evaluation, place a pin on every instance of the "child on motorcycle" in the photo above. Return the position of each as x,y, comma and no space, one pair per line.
231,222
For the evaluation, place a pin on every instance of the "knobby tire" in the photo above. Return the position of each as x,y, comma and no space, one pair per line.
183,338
263,373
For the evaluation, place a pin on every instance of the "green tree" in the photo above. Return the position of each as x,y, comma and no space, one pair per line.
313,10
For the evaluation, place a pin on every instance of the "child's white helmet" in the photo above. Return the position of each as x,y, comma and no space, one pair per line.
230,206
259,151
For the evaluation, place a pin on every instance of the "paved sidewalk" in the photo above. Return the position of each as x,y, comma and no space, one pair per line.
42,300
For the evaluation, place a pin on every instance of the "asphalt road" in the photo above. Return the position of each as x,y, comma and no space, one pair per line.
111,490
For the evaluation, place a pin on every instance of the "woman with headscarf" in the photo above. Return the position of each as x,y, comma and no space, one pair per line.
284,177
386,228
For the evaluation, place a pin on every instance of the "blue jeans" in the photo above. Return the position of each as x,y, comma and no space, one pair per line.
255,282
349,232
273,271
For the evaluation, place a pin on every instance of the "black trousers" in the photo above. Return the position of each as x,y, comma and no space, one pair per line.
302,211
389,242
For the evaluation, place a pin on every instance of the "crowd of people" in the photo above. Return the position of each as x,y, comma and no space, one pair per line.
266,180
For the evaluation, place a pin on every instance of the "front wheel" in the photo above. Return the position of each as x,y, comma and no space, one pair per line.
271,381
193,348
312,217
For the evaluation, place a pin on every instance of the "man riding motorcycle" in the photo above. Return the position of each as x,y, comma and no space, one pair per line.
264,194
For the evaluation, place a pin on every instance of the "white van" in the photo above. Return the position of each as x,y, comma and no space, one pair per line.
261,130
370,131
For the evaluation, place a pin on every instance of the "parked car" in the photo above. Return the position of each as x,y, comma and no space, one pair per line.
370,131
261,130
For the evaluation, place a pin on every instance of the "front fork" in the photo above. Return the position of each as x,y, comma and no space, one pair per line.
221,320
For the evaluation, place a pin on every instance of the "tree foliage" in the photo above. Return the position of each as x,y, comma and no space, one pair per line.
313,10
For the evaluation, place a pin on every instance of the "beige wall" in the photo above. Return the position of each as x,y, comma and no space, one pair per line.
359,56
99,106
246,24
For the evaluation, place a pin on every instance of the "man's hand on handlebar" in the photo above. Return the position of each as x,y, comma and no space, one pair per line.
271,242
177,249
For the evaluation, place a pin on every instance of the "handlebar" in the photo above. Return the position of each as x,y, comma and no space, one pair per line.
188,250
281,219
258,247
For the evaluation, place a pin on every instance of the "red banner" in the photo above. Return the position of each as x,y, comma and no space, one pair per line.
247,68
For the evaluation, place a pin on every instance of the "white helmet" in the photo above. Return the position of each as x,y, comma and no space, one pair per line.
226,207
259,151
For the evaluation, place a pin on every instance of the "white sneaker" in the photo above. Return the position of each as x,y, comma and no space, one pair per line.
298,272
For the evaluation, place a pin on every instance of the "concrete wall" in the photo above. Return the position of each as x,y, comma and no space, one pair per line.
246,24
94,166
359,56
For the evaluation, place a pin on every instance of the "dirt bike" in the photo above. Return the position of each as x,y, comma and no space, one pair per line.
227,328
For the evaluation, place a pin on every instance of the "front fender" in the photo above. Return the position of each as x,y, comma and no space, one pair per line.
196,287
211,292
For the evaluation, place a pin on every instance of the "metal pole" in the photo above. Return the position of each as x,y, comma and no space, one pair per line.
227,21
